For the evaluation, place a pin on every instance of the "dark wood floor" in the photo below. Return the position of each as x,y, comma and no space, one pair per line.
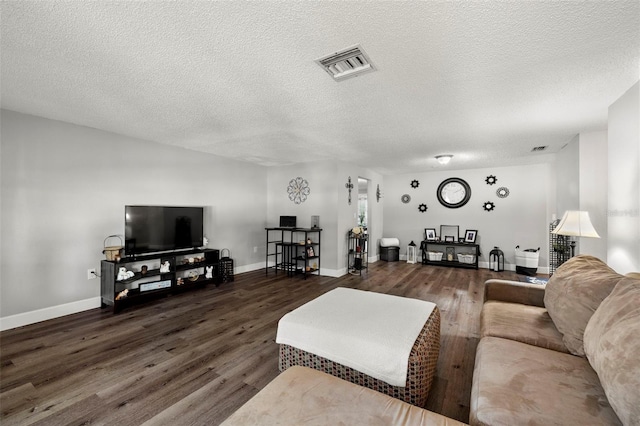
194,358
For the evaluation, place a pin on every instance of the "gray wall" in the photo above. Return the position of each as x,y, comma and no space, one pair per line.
64,188
623,249
520,219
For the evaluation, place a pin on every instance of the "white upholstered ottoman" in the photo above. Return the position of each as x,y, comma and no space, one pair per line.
386,343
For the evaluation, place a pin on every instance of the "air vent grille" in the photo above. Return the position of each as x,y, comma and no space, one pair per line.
539,148
347,63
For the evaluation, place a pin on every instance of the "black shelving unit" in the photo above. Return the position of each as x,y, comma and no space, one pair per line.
295,251
450,251
357,253
559,248
180,275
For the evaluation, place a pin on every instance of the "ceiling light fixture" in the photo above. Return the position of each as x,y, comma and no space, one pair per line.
444,159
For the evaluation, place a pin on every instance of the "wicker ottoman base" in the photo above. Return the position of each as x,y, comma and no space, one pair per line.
420,372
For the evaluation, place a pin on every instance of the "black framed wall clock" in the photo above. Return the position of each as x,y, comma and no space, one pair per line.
454,192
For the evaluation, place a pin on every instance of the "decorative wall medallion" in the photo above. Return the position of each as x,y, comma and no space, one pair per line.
415,184
502,192
405,198
491,180
489,206
422,208
298,190
349,186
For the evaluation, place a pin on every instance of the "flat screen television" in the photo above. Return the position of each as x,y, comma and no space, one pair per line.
152,229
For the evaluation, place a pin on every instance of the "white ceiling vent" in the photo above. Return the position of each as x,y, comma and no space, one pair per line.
346,63
538,148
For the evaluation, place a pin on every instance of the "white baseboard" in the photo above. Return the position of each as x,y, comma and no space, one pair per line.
26,318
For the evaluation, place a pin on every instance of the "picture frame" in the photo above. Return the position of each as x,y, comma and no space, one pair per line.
470,235
310,252
430,234
449,231
449,239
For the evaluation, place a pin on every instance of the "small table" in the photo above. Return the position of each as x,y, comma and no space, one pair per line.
348,332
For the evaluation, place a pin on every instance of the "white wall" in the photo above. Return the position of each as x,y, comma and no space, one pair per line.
568,177
520,219
593,190
64,188
623,247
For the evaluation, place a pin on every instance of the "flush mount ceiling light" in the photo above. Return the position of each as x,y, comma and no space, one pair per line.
444,159
347,63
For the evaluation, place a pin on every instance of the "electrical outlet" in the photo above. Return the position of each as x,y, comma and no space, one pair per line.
91,274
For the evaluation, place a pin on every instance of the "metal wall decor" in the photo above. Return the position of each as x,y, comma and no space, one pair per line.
502,192
405,198
422,208
349,186
491,180
415,183
298,190
378,193
489,206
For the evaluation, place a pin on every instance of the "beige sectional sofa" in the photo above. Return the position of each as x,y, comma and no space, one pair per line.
564,353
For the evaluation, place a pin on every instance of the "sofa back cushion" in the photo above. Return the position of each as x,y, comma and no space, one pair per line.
612,345
573,294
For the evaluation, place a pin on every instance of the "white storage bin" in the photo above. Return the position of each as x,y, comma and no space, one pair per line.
466,258
435,256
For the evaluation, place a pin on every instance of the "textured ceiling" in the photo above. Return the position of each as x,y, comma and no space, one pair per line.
485,81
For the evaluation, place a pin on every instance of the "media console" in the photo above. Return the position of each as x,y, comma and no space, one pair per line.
156,275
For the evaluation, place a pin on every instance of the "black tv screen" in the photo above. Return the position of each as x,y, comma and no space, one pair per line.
150,229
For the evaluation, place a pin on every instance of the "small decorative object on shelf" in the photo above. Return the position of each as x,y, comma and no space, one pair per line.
298,190
496,260
422,208
124,293
430,234
488,206
123,274
349,187
450,253
194,275
209,274
143,270
165,267
502,192
491,180
415,184
405,198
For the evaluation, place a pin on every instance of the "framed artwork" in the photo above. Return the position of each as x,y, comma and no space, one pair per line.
470,235
449,231
430,234
449,238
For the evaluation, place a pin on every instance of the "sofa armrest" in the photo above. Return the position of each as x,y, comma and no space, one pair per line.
514,292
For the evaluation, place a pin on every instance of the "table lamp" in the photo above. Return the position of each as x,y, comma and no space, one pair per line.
575,223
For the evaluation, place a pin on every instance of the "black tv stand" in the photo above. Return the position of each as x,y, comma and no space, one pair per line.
187,269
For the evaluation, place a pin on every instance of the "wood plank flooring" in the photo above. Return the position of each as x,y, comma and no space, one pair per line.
194,358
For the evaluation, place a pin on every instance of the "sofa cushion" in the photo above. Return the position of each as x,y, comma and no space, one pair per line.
519,384
612,344
523,323
301,395
573,294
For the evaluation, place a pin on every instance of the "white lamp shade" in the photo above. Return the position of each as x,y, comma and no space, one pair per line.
576,223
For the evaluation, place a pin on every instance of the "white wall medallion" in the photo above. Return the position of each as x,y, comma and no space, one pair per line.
502,192
489,206
422,208
405,198
298,190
